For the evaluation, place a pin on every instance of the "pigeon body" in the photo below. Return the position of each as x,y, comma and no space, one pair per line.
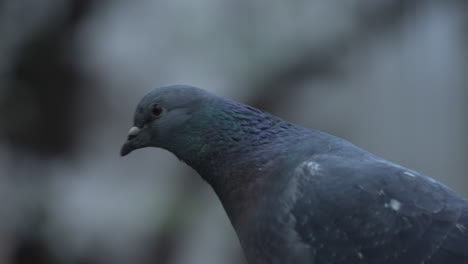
297,195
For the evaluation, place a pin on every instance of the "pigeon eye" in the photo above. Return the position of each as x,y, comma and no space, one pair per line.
157,110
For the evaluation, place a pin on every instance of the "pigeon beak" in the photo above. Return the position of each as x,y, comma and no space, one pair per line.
129,146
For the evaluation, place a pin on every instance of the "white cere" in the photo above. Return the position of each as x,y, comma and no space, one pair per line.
409,174
134,131
461,227
395,205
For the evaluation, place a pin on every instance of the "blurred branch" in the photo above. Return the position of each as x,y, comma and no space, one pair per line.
315,63
44,89
38,111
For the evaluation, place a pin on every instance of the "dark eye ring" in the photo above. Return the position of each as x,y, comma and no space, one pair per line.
157,110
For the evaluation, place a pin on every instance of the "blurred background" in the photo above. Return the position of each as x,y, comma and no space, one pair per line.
389,76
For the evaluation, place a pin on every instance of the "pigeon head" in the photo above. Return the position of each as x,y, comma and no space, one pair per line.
162,115
203,129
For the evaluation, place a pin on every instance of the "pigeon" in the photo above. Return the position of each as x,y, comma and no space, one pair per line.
302,196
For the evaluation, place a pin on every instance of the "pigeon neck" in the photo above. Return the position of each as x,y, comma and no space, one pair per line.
232,150
226,131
